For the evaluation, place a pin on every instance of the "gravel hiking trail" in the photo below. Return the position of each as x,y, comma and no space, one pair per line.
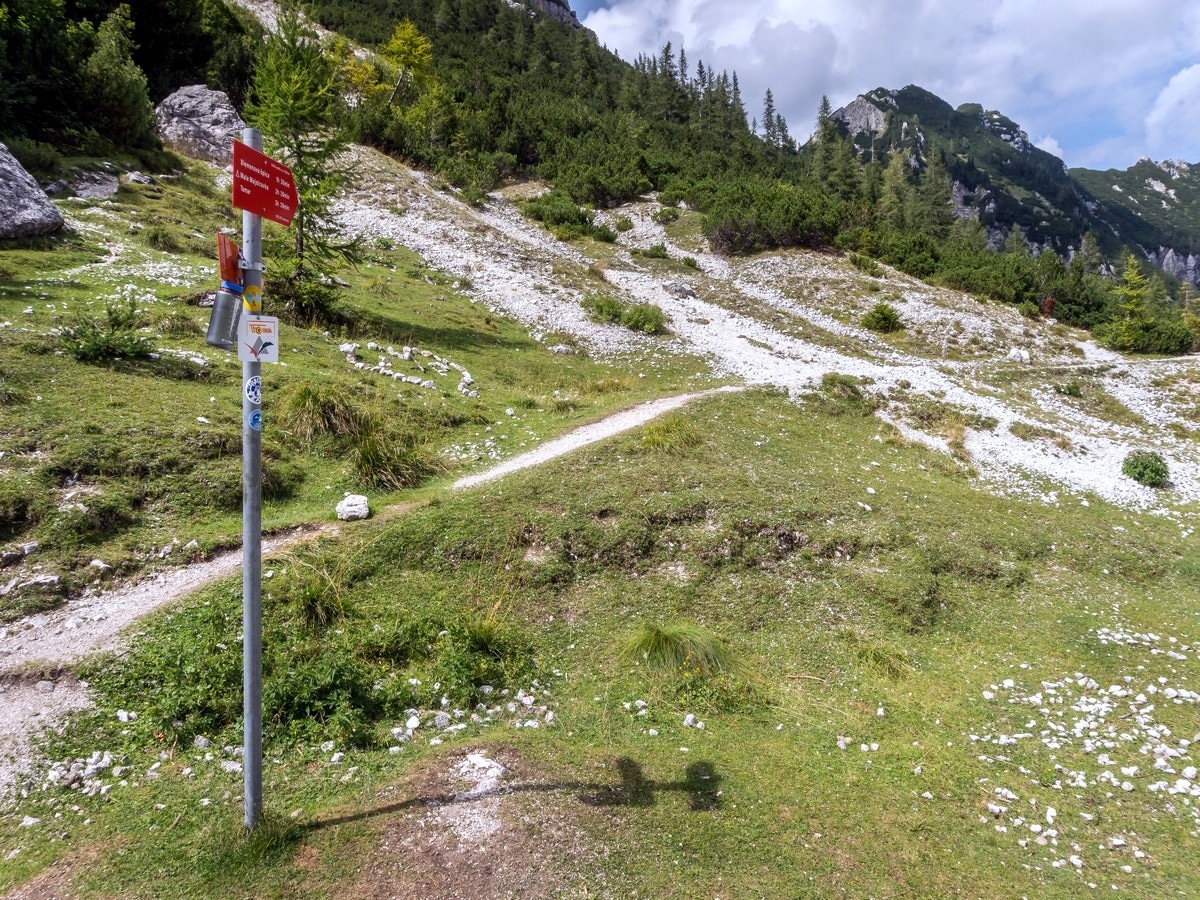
38,652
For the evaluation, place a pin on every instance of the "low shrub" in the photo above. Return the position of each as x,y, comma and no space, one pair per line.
866,264
1029,310
656,251
624,224
566,219
115,336
1166,337
1070,389
690,262
666,215
644,317
35,156
883,318
603,308
1146,467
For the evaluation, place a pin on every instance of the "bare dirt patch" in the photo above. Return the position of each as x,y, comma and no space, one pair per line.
484,826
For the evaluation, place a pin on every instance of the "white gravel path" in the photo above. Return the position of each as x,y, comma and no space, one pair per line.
786,319
587,434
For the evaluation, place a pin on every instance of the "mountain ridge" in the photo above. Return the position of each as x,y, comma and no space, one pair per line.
1001,178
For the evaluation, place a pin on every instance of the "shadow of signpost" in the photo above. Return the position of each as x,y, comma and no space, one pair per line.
700,783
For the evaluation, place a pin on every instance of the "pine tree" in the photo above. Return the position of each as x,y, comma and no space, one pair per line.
296,106
932,212
117,99
770,135
896,194
826,137
846,177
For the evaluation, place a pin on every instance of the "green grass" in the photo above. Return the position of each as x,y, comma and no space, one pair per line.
760,533
126,414
812,566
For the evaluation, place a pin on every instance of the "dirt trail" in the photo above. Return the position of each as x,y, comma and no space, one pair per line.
36,653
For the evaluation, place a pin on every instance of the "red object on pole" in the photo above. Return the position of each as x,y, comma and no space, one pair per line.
262,186
227,260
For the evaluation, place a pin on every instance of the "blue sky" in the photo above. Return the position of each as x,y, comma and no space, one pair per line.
1099,83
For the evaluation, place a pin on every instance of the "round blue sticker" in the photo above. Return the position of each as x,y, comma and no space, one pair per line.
254,389
256,420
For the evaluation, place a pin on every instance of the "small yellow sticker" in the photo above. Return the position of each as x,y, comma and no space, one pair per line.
252,299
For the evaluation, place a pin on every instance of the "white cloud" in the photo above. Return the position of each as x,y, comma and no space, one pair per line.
1083,72
1173,123
1050,145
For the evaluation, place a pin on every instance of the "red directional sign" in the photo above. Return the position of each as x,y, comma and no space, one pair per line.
263,186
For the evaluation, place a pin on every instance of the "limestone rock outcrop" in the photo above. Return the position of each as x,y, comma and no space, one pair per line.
25,210
200,123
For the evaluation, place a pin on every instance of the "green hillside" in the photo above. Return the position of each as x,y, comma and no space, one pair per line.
1006,182
1166,195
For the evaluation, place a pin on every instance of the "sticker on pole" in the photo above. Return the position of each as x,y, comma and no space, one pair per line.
262,186
256,420
252,299
253,389
258,339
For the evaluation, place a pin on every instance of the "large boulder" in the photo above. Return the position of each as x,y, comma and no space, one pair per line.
25,210
199,123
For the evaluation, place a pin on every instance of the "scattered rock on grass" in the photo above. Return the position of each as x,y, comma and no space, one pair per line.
353,506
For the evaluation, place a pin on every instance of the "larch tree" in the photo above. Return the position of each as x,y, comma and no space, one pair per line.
296,105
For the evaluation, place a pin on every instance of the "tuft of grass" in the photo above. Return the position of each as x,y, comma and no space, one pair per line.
842,395
391,460
675,434
678,648
175,323
880,654
11,391
311,409
160,237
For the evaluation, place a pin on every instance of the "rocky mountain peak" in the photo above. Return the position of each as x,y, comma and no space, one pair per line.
559,10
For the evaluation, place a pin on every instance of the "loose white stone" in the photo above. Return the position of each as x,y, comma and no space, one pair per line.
353,506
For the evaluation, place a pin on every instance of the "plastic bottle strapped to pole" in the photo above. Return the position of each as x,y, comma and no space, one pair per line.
227,308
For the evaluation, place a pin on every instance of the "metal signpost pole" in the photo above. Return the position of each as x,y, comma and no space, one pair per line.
252,519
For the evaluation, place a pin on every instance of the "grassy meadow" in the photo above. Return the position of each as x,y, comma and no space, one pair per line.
908,686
